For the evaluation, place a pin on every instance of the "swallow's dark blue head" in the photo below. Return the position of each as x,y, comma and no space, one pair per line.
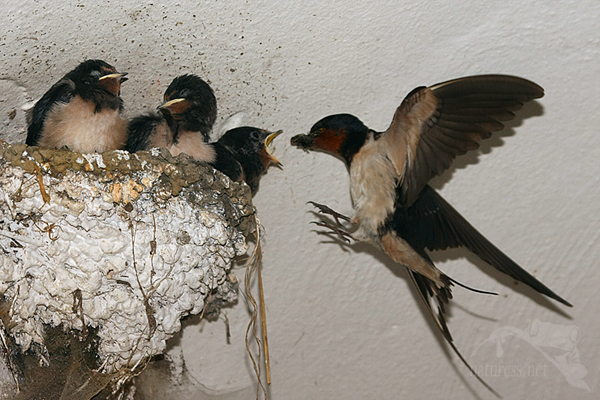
192,103
340,134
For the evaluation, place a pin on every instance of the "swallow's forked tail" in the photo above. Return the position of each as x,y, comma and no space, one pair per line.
435,299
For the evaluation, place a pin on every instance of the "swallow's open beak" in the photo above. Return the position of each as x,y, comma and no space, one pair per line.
268,141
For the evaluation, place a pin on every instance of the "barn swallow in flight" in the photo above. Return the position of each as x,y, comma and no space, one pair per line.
82,111
183,124
185,118
394,207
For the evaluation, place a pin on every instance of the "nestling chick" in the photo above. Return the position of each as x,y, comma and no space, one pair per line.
82,111
243,154
189,111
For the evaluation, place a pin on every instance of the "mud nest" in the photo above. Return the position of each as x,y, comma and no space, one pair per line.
117,246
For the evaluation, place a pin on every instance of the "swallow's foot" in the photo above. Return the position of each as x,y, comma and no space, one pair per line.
323,209
342,233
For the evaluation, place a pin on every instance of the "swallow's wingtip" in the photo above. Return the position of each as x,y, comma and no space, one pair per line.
563,301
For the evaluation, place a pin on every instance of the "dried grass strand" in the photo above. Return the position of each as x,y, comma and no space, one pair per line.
251,267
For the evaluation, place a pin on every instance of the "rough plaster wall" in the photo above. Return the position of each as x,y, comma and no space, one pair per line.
344,322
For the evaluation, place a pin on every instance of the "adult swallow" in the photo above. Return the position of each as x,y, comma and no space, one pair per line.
185,118
394,207
82,111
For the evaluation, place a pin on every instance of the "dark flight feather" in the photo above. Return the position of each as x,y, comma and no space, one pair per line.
432,223
467,110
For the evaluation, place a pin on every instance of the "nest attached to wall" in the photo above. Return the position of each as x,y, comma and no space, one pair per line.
115,247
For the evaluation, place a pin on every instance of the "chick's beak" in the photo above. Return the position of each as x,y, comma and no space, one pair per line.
268,141
112,82
119,76
175,106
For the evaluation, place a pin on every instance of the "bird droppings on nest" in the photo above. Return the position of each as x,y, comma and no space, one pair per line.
125,244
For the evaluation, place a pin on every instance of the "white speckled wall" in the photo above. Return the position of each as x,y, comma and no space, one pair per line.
344,323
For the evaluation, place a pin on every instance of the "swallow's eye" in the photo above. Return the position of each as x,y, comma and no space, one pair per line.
254,135
95,74
184,92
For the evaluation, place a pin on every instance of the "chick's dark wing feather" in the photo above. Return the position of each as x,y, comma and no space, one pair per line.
61,92
140,131
434,125
226,162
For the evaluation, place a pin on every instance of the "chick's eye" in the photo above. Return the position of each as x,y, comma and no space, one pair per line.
184,92
95,74
254,135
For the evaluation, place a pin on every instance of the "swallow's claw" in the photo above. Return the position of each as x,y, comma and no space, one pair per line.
323,209
342,233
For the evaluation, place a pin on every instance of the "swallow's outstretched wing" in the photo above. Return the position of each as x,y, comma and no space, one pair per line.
435,124
434,224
